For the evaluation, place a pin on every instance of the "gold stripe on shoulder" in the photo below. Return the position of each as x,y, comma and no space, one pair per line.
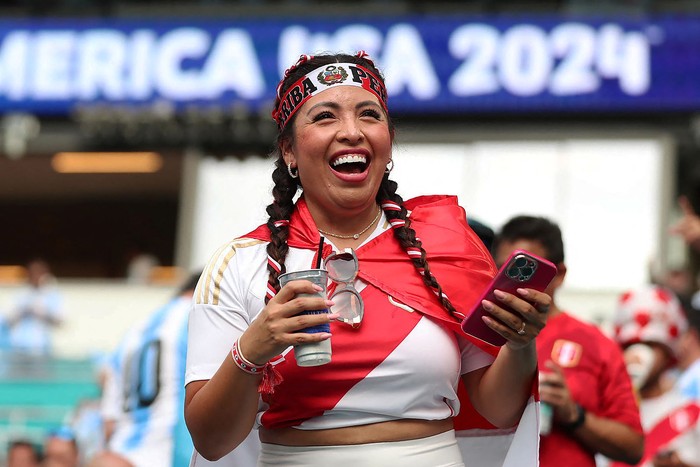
209,271
220,275
246,242
214,271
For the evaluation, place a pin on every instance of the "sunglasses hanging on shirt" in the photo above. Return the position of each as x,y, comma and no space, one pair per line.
342,269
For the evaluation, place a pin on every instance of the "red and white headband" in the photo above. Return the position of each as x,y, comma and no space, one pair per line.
321,79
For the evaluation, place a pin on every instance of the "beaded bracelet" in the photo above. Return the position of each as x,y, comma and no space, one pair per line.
243,363
270,376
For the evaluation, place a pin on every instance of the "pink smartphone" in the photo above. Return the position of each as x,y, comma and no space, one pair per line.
522,269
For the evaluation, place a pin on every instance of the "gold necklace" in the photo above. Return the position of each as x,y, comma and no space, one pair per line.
357,235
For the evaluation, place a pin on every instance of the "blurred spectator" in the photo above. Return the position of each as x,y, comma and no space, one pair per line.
38,309
109,459
681,282
140,264
484,232
61,449
648,325
4,335
688,226
23,453
88,427
689,359
143,400
583,378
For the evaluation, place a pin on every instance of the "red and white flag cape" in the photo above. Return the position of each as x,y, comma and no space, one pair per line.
463,267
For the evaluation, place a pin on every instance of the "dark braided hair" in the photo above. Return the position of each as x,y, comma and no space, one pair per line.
408,240
285,187
281,208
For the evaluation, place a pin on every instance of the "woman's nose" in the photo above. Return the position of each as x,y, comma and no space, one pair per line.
351,131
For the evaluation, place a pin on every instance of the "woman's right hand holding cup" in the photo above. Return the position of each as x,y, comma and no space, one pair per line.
275,328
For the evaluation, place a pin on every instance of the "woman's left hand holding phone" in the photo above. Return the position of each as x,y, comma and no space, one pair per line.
528,316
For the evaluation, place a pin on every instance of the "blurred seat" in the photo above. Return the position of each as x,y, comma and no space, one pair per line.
38,394
12,274
166,275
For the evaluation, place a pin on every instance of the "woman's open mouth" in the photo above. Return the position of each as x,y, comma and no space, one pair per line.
350,164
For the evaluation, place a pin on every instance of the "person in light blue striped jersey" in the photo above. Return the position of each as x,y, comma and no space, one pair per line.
143,398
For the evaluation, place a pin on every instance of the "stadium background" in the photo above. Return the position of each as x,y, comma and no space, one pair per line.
583,111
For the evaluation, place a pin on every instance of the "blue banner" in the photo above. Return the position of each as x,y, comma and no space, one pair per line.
436,64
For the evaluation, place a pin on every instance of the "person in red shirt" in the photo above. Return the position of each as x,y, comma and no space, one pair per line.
583,377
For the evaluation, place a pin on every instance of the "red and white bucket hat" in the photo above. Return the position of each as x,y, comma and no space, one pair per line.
650,314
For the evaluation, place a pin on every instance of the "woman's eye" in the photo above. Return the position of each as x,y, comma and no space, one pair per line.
323,115
371,113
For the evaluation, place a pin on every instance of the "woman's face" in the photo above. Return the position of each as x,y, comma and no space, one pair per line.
341,146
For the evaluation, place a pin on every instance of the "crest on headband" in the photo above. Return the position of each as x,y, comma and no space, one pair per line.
321,79
332,75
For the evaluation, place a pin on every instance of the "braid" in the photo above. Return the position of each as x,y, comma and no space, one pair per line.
280,212
396,214
285,187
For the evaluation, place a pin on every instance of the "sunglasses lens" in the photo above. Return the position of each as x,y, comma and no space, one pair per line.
349,307
342,267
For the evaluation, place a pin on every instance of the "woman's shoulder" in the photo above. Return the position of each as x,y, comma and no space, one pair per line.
236,248
430,202
231,268
437,210
441,219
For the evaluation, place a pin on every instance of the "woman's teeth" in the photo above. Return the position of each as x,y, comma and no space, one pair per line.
349,159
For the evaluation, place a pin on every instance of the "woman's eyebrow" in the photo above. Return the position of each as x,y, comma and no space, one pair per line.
334,105
366,103
331,104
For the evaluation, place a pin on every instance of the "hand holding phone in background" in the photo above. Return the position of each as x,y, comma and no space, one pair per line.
521,270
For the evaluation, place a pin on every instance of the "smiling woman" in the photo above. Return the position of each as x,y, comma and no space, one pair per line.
390,391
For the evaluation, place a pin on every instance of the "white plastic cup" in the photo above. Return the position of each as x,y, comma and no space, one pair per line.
315,353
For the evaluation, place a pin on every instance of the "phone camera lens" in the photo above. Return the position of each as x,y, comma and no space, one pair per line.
526,272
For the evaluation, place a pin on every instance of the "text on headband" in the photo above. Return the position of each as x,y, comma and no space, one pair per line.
322,78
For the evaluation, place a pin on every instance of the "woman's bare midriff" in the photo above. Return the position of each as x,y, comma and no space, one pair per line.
396,430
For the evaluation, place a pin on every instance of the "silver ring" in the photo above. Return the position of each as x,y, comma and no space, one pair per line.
521,331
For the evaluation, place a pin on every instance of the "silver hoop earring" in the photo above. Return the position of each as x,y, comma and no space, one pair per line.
291,171
389,167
